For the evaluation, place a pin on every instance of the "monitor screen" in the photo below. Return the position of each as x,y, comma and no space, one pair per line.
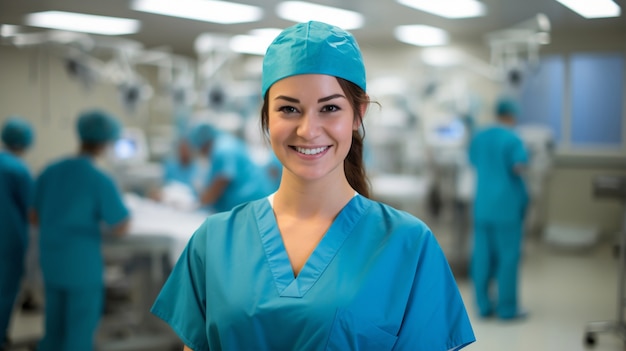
125,148
130,147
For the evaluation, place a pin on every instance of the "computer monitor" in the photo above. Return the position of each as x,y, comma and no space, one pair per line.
131,147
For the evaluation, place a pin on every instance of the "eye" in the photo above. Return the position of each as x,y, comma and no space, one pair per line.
331,108
287,109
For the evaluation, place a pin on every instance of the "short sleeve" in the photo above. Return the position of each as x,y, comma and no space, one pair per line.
111,205
224,164
182,300
435,319
519,156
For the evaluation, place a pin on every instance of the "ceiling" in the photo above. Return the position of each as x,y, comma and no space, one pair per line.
381,17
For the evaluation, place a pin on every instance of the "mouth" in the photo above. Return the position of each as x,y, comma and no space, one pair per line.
310,151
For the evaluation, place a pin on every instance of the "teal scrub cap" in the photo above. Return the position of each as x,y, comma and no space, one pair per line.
17,133
507,107
202,134
97,127
313,48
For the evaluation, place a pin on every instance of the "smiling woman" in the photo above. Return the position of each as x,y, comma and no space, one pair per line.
260,276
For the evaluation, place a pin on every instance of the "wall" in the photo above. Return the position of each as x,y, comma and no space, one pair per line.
34,84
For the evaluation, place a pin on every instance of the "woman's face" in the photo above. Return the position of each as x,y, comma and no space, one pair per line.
310,125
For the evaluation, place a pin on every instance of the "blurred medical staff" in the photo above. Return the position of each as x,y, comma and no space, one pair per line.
234,178
183,177
16,186
72,199
499,157
181,167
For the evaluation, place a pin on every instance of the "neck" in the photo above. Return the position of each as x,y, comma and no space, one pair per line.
306,199
507,121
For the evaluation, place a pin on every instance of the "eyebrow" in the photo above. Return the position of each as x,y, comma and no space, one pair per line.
324,99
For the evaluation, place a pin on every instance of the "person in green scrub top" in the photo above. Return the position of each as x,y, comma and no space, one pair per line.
16,185
317,265
499,158
73,199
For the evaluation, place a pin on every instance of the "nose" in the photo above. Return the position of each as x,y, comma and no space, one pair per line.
309,126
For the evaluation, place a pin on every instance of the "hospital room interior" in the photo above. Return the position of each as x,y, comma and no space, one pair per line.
435,72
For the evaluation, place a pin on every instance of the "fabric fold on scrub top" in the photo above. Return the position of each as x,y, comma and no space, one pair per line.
370,284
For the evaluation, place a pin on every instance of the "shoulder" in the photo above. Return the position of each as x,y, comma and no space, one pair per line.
222,225
52,167
13,164
397,223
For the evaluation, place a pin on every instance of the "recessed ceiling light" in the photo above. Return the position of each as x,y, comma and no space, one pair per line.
301,11
593,8
448,8
8,30
224,12
79,22
255,43
421,35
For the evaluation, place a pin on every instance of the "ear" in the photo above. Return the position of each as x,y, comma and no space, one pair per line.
357,122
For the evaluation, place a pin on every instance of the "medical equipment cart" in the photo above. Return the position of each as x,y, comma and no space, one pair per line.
612,187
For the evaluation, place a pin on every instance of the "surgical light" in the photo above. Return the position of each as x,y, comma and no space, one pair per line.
301,11
593,8
223,12
448,8
421,35
79,22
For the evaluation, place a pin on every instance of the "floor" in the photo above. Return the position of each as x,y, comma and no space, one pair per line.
562,290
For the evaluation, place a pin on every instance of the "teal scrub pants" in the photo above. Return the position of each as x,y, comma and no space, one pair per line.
497,252
72,317
10,278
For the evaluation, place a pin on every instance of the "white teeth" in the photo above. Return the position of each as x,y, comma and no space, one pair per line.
311,151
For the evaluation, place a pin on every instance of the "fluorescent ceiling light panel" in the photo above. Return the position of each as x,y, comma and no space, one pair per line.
256,43
8,30
421,35
448,8
593,8
301,11
441,56
223,12
78,22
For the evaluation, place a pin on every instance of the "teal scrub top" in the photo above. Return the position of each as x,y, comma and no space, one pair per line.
230,159
501,195
72,199
174,171
16,186
378,280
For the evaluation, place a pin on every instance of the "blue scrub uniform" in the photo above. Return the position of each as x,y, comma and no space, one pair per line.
72,198
499,208
378,280
230,159
174,171
15,191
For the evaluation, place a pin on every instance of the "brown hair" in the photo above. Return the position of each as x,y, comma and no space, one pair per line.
353,163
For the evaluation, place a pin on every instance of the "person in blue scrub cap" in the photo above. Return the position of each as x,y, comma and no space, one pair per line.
181,170
16,185
73,200
233,177
317,265
499,158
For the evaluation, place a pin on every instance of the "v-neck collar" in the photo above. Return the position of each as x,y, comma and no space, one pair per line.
278,260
